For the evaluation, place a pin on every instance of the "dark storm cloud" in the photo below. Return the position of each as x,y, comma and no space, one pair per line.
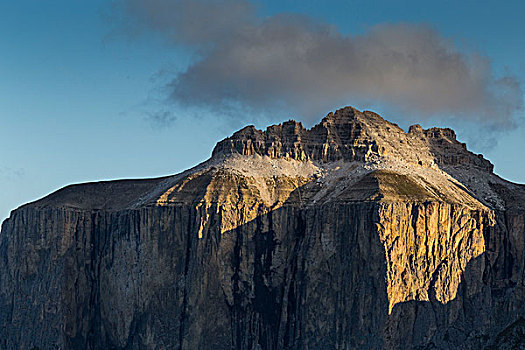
293,62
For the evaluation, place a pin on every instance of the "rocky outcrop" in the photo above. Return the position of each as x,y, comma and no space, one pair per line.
447,150
285,239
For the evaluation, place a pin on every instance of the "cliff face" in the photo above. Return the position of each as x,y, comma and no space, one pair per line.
329,238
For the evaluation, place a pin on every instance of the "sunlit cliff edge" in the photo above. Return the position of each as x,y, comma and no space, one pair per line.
352,234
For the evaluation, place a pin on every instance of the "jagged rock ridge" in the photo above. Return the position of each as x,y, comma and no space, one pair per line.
351,135
353,234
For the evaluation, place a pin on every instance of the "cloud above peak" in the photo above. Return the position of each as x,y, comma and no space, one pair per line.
294,62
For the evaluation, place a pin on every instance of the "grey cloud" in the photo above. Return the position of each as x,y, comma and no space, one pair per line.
293,62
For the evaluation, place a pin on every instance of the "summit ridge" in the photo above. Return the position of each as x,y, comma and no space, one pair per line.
351,135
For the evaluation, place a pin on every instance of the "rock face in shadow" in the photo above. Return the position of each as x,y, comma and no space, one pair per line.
329,238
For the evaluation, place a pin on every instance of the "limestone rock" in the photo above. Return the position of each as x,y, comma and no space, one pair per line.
350,235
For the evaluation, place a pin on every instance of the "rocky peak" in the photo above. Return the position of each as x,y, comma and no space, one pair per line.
350,135
339,136
447,150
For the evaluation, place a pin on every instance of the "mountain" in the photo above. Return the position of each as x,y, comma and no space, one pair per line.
351,235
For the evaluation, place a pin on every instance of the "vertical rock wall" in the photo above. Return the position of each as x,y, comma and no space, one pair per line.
332,276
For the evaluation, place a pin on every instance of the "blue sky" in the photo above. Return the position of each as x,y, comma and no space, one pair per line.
77,93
